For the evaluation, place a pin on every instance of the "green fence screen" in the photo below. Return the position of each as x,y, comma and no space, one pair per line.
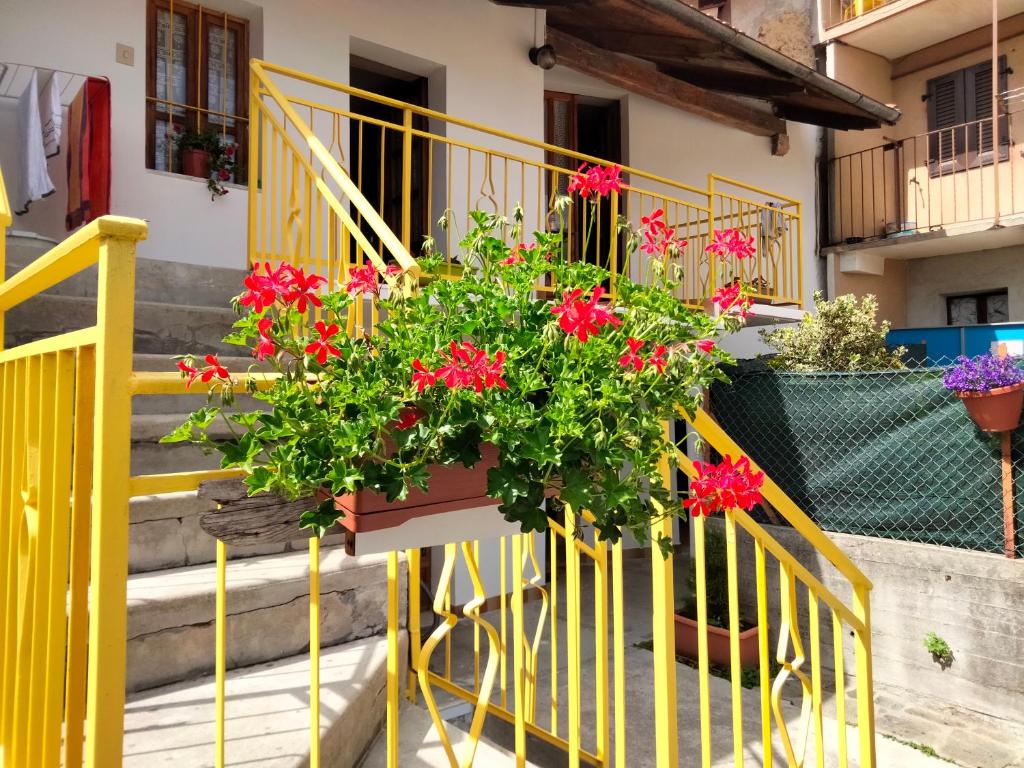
889,454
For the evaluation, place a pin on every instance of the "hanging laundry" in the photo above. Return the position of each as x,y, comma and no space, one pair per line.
89,153
33,182
51,115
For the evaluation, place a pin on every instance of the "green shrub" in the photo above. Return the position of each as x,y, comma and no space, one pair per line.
938,647
716,571
844,335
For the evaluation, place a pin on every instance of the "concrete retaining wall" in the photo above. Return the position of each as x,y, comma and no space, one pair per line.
973,600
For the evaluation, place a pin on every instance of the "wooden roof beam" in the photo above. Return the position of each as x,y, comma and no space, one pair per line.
644,79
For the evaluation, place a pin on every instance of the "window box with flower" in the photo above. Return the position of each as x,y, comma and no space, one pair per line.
474,390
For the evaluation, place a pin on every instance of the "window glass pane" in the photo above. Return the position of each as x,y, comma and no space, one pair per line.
220,71
178,72
998,307
162,160
963,310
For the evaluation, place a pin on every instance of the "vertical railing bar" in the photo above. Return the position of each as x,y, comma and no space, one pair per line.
413,561
734,638
503,600
618,643
601,648
518,651
816,704
61,428
572,617
476,631
762,651
78,597
702,640
14,416
393,662
220,654
837,642
553,569
314,653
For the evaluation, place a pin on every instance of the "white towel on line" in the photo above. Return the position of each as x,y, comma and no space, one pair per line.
51,115
33,181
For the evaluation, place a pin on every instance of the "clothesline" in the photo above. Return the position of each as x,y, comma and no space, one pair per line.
15,76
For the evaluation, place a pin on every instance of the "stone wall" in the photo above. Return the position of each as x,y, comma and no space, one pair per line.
973,600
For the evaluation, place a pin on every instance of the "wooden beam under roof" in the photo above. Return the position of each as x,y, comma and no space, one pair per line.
644,79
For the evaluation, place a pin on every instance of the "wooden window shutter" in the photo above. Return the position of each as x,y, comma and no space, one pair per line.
946,111
978,84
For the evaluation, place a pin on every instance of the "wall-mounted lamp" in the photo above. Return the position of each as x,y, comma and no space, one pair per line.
544,56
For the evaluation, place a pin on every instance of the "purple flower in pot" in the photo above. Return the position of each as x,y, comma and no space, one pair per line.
992,389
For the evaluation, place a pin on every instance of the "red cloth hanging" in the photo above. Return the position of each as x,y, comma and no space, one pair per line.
89,153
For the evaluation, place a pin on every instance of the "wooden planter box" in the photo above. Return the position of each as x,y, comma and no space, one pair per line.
718,643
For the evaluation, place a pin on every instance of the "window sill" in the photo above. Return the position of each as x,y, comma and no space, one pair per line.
195,179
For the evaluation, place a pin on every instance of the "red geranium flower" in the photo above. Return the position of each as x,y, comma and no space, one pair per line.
595,180
408,417
265,289
212,370
705,346
657,236
190,371
224,174
722,486
422,377
363,280
264,345
394,269
731,242
229,150
730,297
658,360
631,358
321,347
582,319
302,288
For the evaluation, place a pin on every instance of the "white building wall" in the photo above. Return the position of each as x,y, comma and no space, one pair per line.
478,51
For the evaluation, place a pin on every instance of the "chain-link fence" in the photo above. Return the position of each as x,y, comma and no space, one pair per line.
890,454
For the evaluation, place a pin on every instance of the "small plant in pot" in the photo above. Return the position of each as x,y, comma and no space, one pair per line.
476,391
206,156
716,488
991,388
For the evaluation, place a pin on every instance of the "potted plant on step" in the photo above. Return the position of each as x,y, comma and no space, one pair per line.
717,487
472,393
991,388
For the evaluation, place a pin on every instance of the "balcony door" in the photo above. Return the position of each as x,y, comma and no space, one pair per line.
375,146
591,127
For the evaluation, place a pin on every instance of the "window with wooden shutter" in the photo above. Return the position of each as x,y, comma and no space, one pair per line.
196,76
959,118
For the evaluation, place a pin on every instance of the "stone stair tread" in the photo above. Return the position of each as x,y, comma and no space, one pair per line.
419,746
150,427
171,612
266,713
186,594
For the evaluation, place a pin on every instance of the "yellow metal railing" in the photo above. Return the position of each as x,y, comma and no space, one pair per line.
64,451
838,11
309,158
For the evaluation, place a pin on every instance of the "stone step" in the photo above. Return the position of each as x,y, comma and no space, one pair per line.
150,456
156,280
420,747
160,328
266,713
164,532
171,613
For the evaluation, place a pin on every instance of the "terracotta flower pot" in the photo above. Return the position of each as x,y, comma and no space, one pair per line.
195,162
718,643
452,487
997,410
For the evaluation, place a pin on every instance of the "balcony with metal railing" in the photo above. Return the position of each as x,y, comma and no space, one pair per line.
411,175
943,184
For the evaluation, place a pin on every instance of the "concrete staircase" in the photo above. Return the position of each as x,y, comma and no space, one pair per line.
171,587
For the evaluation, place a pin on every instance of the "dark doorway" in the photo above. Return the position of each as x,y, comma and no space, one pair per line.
376,148
591,127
